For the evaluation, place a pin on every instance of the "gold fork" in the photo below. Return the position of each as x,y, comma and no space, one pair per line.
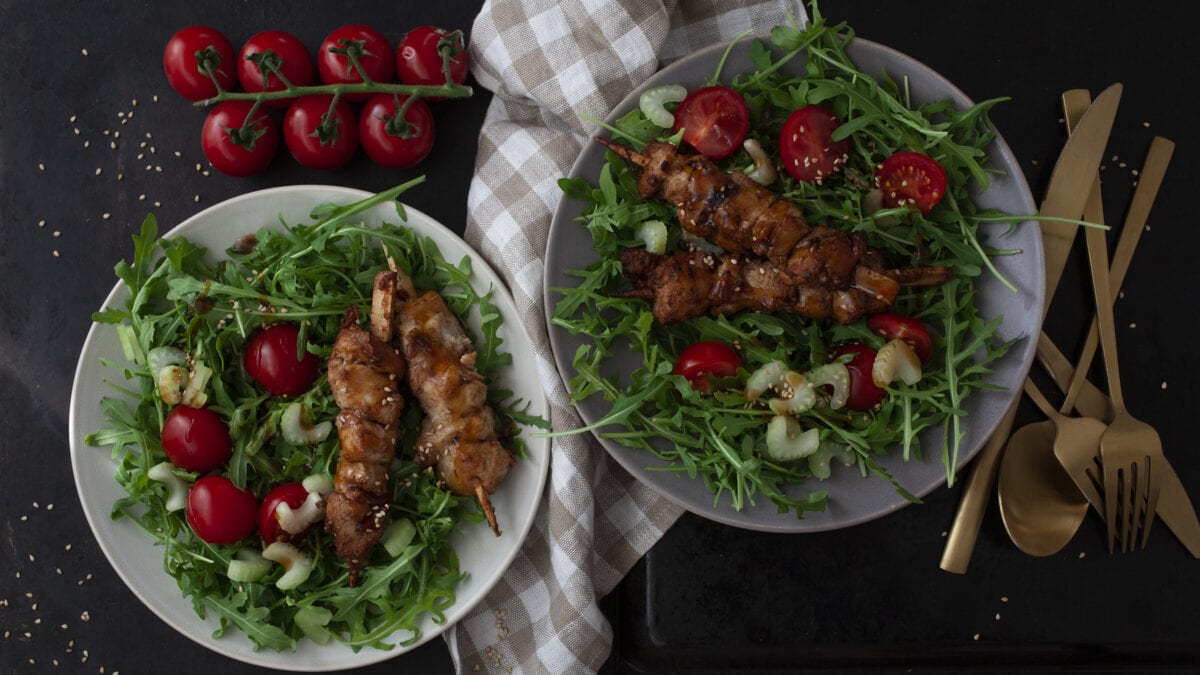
1130,450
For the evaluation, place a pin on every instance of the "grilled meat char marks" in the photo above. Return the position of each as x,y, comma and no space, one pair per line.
687,285
741,216
364,374
458,435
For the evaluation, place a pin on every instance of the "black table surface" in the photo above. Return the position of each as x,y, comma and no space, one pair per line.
706,598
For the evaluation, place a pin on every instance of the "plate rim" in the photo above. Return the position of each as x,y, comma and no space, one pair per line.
723,513
536,447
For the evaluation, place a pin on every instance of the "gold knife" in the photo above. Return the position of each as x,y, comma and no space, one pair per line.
1070,184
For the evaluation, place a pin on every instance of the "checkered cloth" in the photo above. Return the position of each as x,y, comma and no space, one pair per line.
551,65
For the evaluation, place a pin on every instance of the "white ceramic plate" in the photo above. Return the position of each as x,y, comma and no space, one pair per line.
852,499
483,557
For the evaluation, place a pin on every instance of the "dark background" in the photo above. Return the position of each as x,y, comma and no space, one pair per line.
707,598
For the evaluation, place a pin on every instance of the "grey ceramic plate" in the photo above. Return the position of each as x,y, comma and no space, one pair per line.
482,556
853,499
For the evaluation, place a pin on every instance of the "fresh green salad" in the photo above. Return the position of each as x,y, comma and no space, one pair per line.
856,153
186,329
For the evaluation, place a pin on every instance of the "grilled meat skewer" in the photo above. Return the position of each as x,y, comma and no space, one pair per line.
458,435
687,285
743,217
364,373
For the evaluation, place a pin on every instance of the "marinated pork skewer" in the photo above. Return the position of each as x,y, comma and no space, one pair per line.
458,435
687,285
743,217
364,374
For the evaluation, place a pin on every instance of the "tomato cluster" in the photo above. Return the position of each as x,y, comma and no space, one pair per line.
197,440
321,127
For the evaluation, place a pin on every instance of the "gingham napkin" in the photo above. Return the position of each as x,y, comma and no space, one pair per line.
551,65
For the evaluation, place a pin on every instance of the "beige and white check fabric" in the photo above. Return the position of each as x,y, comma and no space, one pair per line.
551,65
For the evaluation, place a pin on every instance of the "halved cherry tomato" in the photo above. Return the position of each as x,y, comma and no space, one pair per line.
806,146
714,119
235,148
318,142
187,75
284,52
370,49
388,142
892,326
864,395
419,56
912,179
272,359
293,494
219,512
704,358
196,439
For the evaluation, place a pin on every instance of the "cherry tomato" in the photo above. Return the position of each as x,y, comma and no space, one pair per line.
419,56
219,512
273,361
318,142
715,121
704,358
196,439
368,46
389,143
234,148
294,495
285,53
186,74
913,179
806,146
864,395
892,326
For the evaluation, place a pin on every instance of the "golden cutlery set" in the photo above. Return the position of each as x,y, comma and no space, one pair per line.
1047,473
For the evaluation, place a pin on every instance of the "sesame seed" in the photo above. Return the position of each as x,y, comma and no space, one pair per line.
56,233
84,51
106,216
41,167
55,252
99,171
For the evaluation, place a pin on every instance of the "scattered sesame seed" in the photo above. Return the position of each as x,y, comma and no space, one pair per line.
178,153
41,223
1164,384
72,120
67,547
154,98
84,51
55,252
86,143
1003,598
99,171
86,616
49,507
1145,124
997,616
41,167
56,233
1133,325
1081,554
106,216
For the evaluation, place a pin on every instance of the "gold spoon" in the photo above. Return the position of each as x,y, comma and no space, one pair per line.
1039,503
